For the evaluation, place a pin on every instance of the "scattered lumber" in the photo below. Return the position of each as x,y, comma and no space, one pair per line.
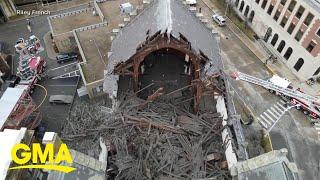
162,140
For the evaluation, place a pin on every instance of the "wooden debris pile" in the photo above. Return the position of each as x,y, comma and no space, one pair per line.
154,140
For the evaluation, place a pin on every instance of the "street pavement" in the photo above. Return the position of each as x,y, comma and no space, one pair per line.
54,116
293,131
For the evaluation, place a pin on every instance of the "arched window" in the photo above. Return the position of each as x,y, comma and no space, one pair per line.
237,3
281,46
246,11
288,53
299,64
268,34
274,39
241,6
317,72
251,16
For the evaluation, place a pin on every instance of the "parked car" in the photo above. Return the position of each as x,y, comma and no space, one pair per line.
60,99
220,20
66,57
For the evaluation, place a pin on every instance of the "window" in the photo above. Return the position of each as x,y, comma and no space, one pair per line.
241,6
281,46
283,2
308,19
274,39
318,32
298,35
237,3
316,73
288,53
270,9
264,3
276,15
311,46
291,28
257,1
292,5
246,11
300,12
284,21
299,64
251,16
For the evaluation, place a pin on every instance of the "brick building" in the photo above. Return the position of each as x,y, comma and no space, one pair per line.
291,28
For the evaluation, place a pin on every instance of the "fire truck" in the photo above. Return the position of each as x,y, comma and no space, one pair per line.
26,47
282,87
18,110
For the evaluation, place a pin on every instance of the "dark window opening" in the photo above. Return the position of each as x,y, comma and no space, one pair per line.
317,72
264,3
291,28
311,46
292,5
237,3
288,53
281,46
270,9
299,64
284,21
276,15
283,2
274,39
257,1
251,16
300,12
246,11
299,35
308,19
241,6
318,32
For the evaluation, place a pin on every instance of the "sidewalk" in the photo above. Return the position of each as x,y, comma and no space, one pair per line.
277,68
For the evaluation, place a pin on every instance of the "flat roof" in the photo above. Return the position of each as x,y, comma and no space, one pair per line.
67,22
7,102
8,139
90,40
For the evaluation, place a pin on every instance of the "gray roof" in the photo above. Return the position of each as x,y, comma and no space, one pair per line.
87,168
170,15
278,170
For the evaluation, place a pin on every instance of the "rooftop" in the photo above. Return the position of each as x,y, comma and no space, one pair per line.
7,102
8,139
164,15
86,168
66,22
95,44
268,166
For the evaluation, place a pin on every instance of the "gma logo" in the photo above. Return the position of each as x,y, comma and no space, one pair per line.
35,158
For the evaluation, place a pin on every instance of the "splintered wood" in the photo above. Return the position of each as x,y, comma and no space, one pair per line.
150,140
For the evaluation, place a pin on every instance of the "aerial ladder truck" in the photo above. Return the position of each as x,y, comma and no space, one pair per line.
308,104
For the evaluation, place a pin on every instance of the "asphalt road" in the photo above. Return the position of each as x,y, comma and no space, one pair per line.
293,131
54,116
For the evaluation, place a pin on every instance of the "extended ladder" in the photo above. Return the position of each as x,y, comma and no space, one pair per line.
269,85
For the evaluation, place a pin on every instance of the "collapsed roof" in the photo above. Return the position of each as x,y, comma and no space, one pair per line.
164,16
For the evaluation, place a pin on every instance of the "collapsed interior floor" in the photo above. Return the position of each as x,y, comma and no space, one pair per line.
153,139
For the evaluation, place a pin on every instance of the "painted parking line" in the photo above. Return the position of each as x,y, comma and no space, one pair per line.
61,85
60,67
